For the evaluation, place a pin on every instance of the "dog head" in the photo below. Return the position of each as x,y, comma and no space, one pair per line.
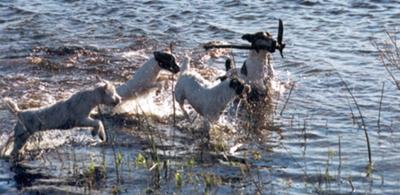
109,95
166,61
240,88
261,40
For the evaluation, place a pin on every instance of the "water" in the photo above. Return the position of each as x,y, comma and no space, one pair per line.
51,49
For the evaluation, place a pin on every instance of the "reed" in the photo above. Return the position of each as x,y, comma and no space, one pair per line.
155,167
380,107
340,161
287,99
389,55
173,103
363,125
353,117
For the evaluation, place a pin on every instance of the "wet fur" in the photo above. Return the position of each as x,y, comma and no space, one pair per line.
256,69
145,78
208,101
73,112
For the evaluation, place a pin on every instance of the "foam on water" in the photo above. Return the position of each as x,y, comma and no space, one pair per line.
149,104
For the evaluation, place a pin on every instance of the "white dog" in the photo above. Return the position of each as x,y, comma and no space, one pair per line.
257,70
208,101
73,112
145,77
257,65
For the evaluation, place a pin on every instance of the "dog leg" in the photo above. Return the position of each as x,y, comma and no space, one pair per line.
101,131
20,140
184,112
207,128
97,125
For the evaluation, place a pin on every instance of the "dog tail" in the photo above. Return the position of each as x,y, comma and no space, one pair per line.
12,106
185,64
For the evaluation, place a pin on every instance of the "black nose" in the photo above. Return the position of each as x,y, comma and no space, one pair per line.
176,69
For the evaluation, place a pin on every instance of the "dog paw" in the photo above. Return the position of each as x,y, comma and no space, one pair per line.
102,134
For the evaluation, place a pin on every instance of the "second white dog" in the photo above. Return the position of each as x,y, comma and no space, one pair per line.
208,101
145,78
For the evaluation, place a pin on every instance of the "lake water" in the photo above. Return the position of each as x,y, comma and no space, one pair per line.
51,49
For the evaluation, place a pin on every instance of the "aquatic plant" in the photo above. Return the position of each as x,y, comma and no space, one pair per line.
210,180
140,160
389,55
178,180
363,124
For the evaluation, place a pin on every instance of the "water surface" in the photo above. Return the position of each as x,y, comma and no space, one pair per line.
51,49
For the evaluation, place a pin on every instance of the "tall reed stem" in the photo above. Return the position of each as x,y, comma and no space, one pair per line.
380,107
362,120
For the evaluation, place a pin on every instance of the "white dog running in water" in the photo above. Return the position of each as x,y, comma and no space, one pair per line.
145,77
257,69
73,112
208,101
257,65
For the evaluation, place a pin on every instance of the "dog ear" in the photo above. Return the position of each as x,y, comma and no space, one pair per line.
256,36
157,55
249,37
104,83
228,64
243,69
100,79
163,57
109,86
